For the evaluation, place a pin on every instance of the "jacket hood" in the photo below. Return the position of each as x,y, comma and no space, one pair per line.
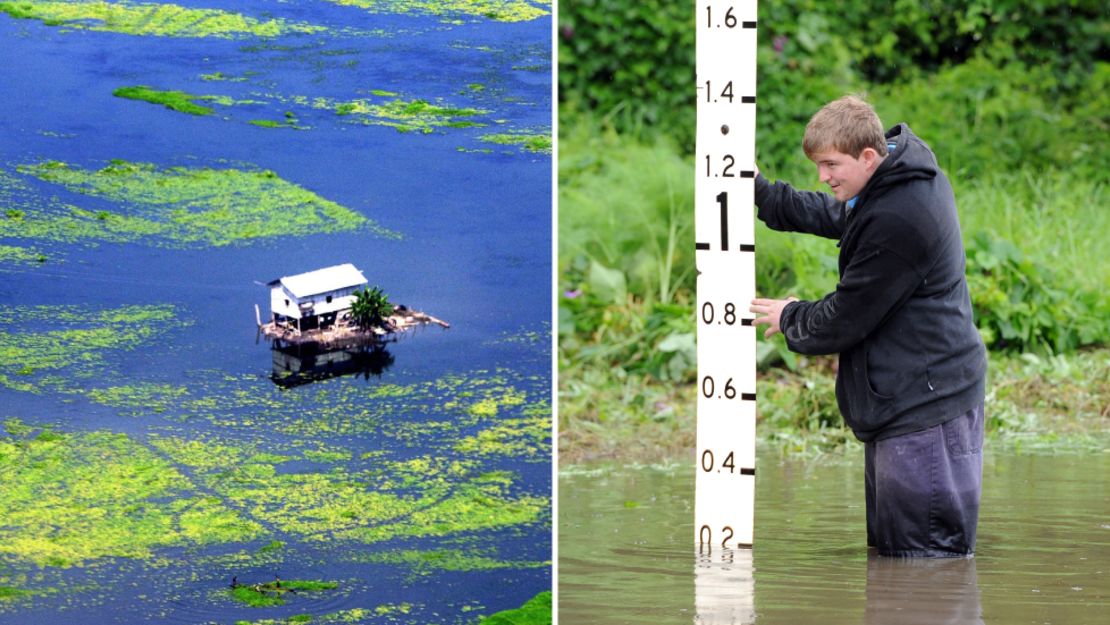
910,159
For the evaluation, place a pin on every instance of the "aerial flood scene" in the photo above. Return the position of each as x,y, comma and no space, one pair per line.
276,334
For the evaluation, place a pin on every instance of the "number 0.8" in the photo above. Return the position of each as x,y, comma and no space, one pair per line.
709,313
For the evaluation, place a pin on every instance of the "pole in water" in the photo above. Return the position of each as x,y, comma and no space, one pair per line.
725,256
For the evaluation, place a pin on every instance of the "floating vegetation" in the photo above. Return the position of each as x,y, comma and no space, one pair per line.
182,206
498,10
426,563
8,593
69,498
404,115
276,592
539,143
21,255
385,613
77,343
527,437
161,19
537,611
142,398
173,100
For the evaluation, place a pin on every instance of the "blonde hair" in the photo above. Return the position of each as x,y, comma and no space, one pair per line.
847,125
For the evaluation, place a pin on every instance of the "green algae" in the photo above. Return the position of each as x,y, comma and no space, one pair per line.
160,19
537,143
222,77
387,613
536,611
182,206
140,398
270,123
173,100
415,115
179,101
78,344
528,437
70,498
277,592
21,255
498,10
9,593
427,563
327,455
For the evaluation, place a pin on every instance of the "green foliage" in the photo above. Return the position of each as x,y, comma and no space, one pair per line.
370,307
980,117
1011,95
631,62
1022,305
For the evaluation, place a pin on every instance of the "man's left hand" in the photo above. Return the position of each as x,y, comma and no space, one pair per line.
772,311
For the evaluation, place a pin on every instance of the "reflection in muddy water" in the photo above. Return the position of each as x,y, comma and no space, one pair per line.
913,591
625,551
296,365
724,587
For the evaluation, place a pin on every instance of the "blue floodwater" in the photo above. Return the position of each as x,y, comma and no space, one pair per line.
476,251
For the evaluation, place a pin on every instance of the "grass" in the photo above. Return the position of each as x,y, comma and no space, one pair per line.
1034,403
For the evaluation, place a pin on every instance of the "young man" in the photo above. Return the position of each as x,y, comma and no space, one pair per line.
912,365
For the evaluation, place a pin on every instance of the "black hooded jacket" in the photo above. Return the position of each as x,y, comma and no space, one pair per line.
900,317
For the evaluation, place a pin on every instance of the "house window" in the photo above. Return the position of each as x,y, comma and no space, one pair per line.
329,299
286,302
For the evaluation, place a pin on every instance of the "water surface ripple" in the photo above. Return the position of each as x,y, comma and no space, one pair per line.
626,552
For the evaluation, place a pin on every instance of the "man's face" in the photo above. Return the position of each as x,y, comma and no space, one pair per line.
846,175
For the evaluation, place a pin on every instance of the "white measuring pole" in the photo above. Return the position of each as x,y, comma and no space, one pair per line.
724,234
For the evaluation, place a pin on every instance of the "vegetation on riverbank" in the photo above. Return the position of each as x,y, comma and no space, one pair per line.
1017,138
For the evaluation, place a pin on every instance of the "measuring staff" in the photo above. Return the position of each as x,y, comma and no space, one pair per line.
725,258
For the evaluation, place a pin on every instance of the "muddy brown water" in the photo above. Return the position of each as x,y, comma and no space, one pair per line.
627,556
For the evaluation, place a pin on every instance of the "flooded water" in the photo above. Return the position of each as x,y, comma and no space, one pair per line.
626,552
154,452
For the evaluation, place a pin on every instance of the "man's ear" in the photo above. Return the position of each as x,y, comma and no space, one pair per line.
870,158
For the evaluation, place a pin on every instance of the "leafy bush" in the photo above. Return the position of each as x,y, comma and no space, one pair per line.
633,62
1021,305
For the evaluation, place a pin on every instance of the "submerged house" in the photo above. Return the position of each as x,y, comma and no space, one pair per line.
314,300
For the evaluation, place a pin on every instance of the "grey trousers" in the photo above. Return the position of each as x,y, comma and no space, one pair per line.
923,489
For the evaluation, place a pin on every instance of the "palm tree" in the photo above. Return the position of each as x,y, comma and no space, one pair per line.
370,307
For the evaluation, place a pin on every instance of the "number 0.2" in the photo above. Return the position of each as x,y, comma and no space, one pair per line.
705,535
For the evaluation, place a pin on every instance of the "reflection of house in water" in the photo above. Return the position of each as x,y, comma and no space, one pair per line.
313,300
295,365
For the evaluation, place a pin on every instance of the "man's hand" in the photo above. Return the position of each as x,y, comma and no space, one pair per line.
772,311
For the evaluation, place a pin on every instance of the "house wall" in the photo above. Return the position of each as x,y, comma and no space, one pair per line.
341,299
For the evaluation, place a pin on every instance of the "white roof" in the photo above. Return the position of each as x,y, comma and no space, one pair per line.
322,280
